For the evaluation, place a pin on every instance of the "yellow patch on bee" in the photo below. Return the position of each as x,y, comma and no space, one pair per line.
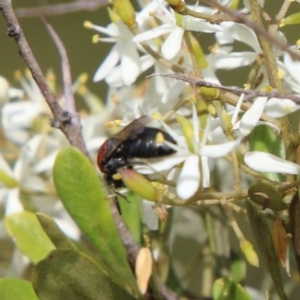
159,138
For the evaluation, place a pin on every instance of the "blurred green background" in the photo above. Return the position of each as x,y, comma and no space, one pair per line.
85,56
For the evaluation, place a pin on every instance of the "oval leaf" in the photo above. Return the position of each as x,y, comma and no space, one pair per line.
29,235
226,289
54,233
16,289
264,241
69,274
82,195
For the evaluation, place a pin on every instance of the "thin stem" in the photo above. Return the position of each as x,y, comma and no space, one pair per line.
65,68
266,47
250,94
61,9
283,10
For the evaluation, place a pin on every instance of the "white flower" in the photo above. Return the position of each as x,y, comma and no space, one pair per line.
225,58
190,177
124,52
18,116
175,28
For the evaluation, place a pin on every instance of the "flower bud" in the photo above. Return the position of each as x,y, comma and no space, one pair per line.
125,11
139,184
249,252
290,20
187,129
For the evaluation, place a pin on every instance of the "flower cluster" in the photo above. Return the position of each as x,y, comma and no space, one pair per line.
224,128
224,139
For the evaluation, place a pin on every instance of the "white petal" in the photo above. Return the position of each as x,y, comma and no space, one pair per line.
15,93
194,24
277,108
4,88
292,66
150,217
237,109
114,78
109,63
153,33
265,162
272,126
160,164
205,171
13,204
173,92
189,178
224,37
147,61
219,150
172,44
19,114
252,115
46,163
233,60
196,125
110,30
130,64
243,34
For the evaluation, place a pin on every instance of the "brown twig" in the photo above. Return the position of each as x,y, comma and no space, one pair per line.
232,89
61,9
283,10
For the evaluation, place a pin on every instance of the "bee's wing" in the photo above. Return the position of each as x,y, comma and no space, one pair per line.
131,131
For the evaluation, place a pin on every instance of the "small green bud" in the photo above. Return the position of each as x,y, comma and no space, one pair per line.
199,54
249,252
125,11
290,20
187,129
139,184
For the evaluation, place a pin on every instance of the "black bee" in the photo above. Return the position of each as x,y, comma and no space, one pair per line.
133,141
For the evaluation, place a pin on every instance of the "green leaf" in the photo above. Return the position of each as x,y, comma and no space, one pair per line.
54,233
226,289
29,235
238,267
131,215
70,274
294,214
82,195
265,243
16,289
